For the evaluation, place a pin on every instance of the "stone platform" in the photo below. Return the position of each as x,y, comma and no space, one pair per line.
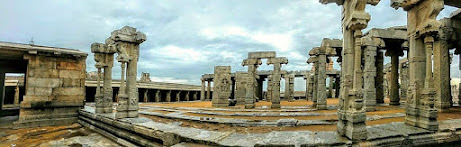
161,124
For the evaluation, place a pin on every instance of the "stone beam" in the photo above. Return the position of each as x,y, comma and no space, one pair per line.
259,55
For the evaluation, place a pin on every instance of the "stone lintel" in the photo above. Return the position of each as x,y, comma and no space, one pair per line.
256,55
252,61
277,60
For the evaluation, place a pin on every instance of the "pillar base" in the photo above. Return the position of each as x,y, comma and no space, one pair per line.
442,106
249,106
275,106
394,103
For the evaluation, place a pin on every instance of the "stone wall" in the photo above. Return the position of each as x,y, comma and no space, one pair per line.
55,90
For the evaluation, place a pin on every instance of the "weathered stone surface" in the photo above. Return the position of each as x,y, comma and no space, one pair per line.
221,89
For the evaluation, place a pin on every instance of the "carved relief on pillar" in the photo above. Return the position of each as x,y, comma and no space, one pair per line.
221,91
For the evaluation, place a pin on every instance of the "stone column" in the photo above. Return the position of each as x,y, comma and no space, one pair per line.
232,88
269,88
194,96
127,42
394,80
287,87
157,95
403,73
202,91
321,81
146,98
251,81
16,95
276,77
104,57
306,93
337,84
221,88
379,77
2,89
351,113
369,95
292,87
178,96
260,88
187,97
208,91
315,86
330,87
442,75
240,78
168,95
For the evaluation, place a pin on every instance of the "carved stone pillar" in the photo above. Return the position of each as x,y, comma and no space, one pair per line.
369,74
321,80
276,77
127,42
168,95
394,80
269,88
351,111
251,81
221,88
379,77
208,91
104,57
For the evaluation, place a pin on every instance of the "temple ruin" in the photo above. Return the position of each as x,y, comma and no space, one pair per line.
380,87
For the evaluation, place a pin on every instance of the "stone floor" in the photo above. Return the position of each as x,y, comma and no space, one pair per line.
72,135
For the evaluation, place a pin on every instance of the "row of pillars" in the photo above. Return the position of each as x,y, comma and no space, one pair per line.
169,95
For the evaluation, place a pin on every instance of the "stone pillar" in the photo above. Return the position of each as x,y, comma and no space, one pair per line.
187,97
104,57
275,79
306,93
369,95
403,73
269,88
251,81
157,95
287,87
337,84
2,89
208,91
394,80
127,42
145,96
330,87
351,113
178,96
232,88
315,86
202,91
260,88
16,95
221,88
422,26
442,75
379,77
321,81
194,96
240,78
168,95
292,87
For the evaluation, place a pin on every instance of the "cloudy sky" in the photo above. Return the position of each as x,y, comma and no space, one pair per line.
187,38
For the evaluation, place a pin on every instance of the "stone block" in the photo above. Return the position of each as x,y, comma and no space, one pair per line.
68,82
69,65
42,73
72,74
41,91
43,82
74,91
